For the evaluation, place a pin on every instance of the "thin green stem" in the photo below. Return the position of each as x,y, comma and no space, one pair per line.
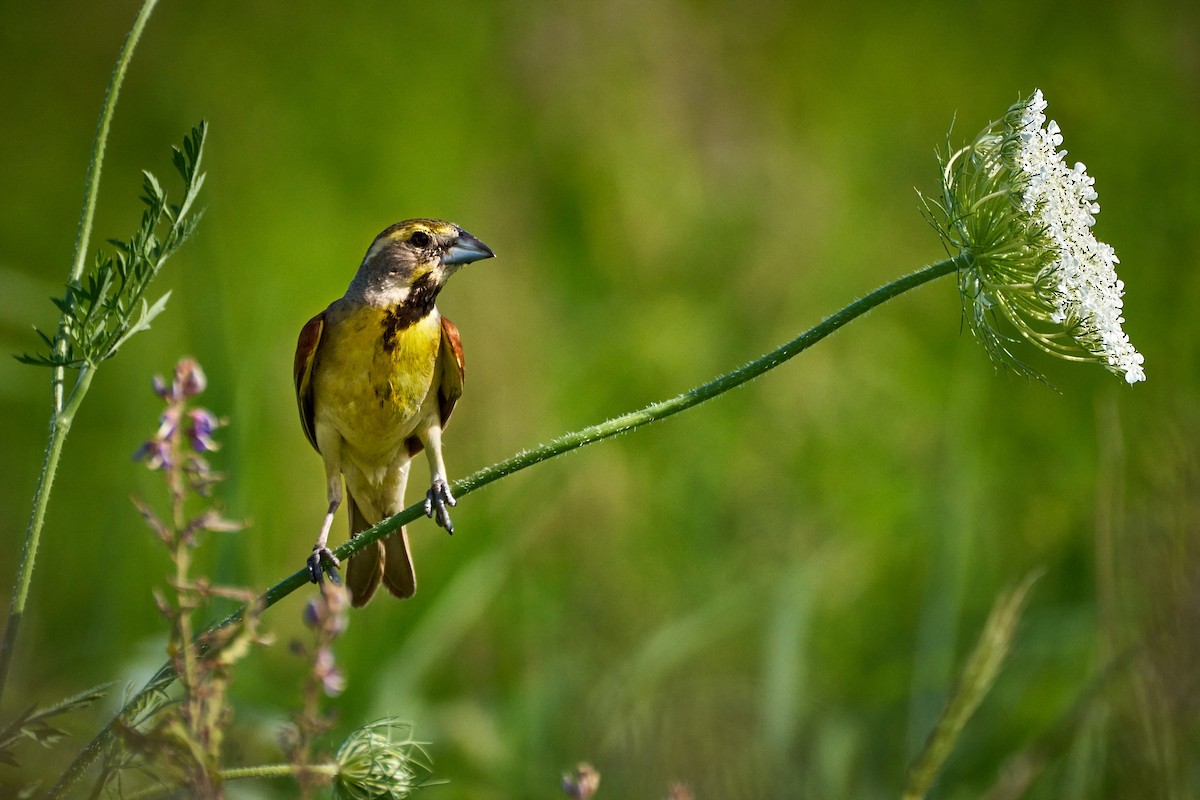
243,773
91,191
276,771
544,452
92,183
62,414
60,425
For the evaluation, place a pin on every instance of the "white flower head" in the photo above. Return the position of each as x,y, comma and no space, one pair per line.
1023,219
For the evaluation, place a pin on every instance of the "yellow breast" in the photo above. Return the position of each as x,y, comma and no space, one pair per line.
371,378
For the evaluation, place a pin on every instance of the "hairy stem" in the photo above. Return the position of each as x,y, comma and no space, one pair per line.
60,425
92,184
91,191
242,773
544,452
61,415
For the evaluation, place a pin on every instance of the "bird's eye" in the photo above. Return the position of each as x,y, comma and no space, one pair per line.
420,239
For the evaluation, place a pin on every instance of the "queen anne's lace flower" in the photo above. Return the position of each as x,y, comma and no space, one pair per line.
380,761
1023,218
1063,201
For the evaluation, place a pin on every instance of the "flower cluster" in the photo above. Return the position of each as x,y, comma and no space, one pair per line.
184,432
1023,220
1088,295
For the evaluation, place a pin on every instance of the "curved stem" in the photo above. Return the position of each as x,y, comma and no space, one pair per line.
61,416
91,190
242,773
92,182
548,450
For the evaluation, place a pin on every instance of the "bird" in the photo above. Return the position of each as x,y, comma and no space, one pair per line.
377,376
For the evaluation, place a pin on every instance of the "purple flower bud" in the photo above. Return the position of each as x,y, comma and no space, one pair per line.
189,377
155,453
334,682
203,423
168,423
312,614
331,677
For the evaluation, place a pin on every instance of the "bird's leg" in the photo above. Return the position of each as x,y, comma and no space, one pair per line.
322,555
438,496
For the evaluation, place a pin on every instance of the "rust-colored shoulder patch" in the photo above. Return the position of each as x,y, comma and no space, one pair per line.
302,368
453,368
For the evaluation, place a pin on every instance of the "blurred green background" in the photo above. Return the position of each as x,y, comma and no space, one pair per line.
769,596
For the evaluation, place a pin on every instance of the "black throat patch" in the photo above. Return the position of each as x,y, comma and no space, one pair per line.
422,297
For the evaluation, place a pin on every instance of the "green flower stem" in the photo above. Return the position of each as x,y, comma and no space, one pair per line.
243,773
62,414
636,419
544,452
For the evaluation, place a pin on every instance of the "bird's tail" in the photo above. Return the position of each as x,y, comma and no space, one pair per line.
392,563
365,569
398,574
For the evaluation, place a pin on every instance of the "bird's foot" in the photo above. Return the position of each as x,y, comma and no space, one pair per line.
436,500
321,561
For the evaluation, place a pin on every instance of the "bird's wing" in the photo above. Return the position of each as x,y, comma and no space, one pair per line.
453,368
306,356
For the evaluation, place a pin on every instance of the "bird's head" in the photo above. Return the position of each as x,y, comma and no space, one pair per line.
421,253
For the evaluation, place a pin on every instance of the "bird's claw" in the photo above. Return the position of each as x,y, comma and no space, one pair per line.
436,500
321,561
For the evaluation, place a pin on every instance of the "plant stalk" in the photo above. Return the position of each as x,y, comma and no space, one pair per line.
60,425
527,458
62,415
91,191
242,773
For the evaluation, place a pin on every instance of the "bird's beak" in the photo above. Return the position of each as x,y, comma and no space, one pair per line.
466,248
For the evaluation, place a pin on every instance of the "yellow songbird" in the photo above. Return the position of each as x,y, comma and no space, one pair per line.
377,375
